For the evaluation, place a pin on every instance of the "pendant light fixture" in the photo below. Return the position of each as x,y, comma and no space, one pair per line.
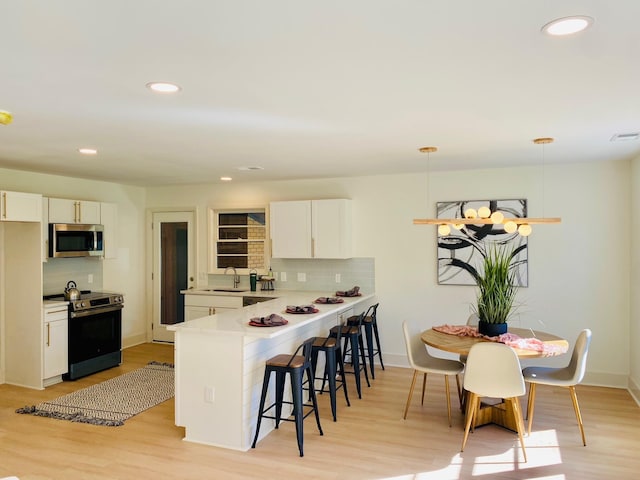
484,216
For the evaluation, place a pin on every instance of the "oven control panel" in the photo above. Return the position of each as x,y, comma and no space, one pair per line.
97,301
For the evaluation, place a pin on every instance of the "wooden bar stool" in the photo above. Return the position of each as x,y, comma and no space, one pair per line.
354,348
334,365
370,323
296,366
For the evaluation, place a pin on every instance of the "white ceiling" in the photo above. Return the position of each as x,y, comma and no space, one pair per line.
311,89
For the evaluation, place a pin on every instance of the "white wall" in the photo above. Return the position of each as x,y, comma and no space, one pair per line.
579,271
634,320
124,274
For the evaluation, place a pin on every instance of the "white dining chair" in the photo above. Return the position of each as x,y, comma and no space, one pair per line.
422,362
493,370
568,376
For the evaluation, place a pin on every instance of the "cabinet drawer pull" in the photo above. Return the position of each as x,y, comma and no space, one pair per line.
48,334
4,205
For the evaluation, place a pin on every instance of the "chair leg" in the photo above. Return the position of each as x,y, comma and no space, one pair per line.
377,337
296,390
515,405
424,387
265,387
459,389
363,359
280,380
368,329
355,361
531,406
576,407
448,394
471,406
330,360
413,384
338,355
314,400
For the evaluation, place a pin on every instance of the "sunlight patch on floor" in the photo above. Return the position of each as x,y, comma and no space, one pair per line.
542,451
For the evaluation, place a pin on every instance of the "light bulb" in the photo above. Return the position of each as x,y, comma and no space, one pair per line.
5,117
484,212
524,229
497,217
510,226
444,230
458,226
470,213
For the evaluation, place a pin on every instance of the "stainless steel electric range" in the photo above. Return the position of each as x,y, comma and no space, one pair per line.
95,332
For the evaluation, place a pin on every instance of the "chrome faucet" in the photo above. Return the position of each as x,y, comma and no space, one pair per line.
236,277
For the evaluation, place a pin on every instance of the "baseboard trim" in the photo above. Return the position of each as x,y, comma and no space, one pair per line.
134,340
634,390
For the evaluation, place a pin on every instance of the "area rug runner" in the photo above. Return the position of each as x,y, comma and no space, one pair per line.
113,401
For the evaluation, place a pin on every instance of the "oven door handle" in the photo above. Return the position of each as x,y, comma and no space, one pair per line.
96,311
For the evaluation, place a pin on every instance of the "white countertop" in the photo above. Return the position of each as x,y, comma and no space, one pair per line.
210,291
54,303
236,322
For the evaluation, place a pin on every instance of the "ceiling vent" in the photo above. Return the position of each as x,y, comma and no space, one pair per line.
621,137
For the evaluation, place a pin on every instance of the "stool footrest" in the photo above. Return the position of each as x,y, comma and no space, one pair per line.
289,418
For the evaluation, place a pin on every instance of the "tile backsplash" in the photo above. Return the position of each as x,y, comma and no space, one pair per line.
57,272
318,274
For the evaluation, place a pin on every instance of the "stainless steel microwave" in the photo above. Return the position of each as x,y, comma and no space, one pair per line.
75,240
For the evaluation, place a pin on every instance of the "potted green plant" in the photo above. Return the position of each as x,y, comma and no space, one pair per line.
496,290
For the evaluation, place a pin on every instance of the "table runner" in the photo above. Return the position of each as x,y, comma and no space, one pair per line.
511,339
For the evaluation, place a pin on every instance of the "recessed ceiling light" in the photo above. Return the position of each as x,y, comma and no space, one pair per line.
567,25
226,179
620,137
88,151
251,168
163,87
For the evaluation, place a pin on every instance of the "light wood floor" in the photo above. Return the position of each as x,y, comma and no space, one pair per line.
370,440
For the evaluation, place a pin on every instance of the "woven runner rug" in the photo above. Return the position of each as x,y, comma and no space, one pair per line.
113,401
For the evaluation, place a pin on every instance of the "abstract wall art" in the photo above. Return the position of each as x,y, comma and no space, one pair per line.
461,252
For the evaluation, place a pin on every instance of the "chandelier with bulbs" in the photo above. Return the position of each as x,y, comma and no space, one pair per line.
484,215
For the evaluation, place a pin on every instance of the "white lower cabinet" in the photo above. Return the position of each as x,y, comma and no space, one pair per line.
55,358
197,306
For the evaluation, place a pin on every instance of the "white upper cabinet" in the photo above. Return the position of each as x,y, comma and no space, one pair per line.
20,207
290,228
311,229
331,228
62,210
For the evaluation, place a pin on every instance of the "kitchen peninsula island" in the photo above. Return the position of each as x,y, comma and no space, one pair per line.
219,363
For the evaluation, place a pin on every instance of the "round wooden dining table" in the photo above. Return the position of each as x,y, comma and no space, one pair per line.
462,344
496,411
